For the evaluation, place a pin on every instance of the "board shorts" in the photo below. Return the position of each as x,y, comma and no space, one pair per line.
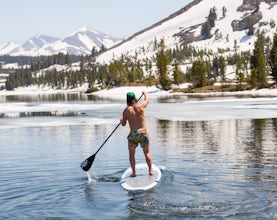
139,136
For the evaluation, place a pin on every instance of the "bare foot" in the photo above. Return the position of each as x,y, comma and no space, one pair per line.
151,172
133,175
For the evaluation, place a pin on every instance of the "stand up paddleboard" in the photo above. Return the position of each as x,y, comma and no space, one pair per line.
142,181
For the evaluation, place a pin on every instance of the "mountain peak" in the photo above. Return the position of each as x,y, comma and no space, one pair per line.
8,47
84,29
80,42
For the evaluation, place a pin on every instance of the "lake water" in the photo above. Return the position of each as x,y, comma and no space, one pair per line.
218,156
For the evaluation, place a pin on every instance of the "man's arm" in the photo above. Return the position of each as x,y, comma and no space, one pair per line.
124,119
146,99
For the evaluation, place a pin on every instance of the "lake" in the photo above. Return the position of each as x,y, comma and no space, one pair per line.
218,158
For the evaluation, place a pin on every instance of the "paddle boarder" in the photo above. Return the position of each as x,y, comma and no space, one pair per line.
134,114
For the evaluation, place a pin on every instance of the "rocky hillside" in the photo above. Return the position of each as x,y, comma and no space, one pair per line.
236,21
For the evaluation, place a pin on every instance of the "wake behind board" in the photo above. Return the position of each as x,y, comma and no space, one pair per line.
142,181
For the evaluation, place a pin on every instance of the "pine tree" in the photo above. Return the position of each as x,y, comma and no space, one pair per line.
82,62
273,58
215,67
239,74
162,61
117,73
222,68
258,66
209,24
212,17
178,75
236,46
199,73
206,30
224,10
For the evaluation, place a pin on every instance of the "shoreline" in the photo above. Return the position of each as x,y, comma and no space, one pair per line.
120,92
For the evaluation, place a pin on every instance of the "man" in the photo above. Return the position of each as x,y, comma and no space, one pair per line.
134,114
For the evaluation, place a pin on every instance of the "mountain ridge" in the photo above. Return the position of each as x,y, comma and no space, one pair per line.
80,42
184,26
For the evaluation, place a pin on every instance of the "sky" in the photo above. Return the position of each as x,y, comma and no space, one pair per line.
23,19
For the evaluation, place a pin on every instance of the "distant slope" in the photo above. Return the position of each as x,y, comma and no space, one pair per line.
185,26
80,42
8,47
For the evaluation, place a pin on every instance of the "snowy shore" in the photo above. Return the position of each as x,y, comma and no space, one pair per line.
120,92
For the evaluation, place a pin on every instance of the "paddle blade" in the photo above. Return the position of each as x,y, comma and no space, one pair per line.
86,164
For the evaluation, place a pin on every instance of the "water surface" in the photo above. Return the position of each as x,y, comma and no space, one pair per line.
218,158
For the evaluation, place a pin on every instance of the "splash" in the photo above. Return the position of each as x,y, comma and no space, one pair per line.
90,180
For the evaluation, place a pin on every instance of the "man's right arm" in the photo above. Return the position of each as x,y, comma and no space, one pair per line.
146,99
124,119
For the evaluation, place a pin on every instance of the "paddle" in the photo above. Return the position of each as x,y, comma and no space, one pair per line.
87,163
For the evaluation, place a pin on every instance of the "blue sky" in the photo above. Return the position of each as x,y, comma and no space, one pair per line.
22,19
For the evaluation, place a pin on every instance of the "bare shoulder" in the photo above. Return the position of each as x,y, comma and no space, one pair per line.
127,110
143,104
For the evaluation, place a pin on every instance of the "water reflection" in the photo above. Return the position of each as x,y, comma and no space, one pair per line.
47,97
254,138
217,169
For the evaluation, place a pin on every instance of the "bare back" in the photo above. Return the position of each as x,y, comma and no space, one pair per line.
134,114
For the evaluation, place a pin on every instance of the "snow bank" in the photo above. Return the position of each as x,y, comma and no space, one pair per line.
33,90
254,93
120,92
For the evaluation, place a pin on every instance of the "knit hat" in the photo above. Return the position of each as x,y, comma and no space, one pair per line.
130,97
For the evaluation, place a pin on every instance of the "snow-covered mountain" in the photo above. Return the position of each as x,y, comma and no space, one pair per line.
9,47
185,26
80,42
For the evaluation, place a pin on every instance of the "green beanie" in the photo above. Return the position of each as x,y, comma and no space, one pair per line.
130,97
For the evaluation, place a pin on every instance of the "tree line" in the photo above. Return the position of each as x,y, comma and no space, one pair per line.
252,69
40,60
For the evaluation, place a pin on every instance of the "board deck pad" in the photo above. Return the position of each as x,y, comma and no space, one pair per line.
142,180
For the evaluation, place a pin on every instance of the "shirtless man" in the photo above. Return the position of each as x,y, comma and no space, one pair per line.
134,114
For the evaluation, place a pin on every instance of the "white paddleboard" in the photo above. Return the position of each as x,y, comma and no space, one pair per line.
142,180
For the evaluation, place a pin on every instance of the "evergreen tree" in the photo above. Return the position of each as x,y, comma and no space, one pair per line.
102,74
209,24
236,46
178,75
224,10
212,17
67,59
117,73
222,68
239,74
199,73
215,67
93,51
258,66
103,48
273,58
138,71
206,30
162,61
82,63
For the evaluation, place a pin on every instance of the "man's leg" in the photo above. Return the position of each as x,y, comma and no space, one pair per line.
132,151
148,158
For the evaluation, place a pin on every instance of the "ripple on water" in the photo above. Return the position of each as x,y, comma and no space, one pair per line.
195,200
